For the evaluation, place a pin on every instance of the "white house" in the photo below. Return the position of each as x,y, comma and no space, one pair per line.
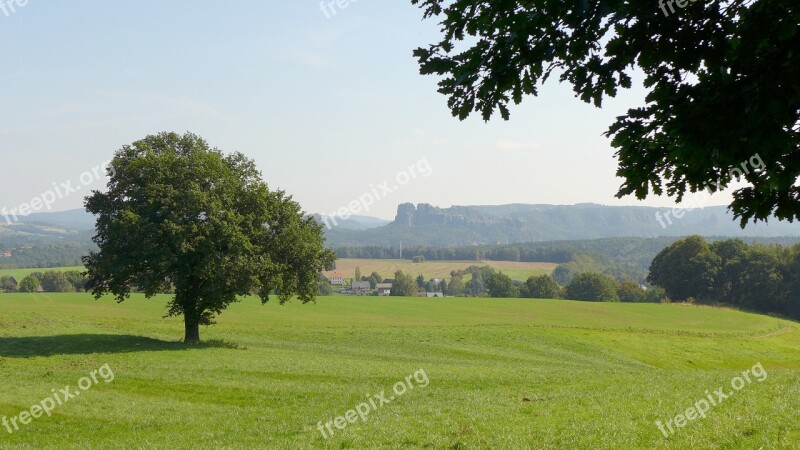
336,278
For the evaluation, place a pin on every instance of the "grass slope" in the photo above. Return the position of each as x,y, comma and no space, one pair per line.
502,374
438,269
19,274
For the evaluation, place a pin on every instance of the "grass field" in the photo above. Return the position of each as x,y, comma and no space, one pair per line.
19,274
501,374
438,269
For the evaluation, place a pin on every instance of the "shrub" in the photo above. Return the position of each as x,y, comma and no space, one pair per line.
630,292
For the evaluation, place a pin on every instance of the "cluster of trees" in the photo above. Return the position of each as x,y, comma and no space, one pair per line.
485,281
587,286
49,281
404,285
763,278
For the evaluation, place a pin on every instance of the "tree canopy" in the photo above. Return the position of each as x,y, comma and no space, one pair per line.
756,277
404,285
687,268
500,285
593,287
723,82
542,286
179,214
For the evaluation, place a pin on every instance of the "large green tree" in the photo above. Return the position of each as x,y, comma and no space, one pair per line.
456,286
53,281
723,82
593,287
180,214
404,285
501,285
29,284
687,268
542,286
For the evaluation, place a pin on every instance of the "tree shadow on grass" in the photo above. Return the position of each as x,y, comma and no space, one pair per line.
83,344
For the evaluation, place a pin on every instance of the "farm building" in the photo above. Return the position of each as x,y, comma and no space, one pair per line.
360,288
384,288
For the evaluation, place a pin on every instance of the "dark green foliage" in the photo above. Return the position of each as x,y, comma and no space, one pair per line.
593,287
404,285
29,284
542,286
420,282
475,287
500,285
687,268
630,292
56,282
180,214
374,279
78,280
756,277
456,286
722,80
655,294
324,286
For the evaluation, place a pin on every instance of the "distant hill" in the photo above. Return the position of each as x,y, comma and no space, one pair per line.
73,219
428,225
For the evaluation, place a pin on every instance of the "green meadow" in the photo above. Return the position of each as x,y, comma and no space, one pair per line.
19,274
512,373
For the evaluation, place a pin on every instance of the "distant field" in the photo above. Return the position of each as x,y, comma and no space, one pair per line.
502,373
19,274
438,269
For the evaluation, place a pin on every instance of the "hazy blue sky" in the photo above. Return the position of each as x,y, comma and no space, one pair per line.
328,107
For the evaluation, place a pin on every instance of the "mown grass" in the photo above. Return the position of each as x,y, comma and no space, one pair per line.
509,373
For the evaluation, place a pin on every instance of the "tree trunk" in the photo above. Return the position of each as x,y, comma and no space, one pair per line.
192,335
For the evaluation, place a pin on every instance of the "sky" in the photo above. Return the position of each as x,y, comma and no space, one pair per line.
329,104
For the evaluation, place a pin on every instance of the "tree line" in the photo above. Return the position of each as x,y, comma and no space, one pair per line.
48,281
484,281
756,277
